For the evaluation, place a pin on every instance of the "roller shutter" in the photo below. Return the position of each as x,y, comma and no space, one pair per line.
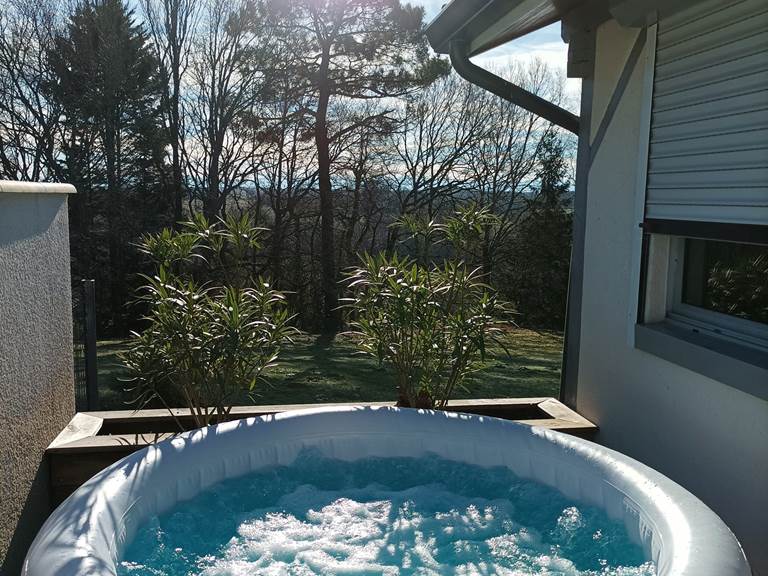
708,154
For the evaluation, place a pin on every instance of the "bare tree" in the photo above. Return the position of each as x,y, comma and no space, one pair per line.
324,120
287,177
224,82
171,25
359,165
438,127
503,165
30,132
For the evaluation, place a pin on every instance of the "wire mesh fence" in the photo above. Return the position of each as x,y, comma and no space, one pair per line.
78,345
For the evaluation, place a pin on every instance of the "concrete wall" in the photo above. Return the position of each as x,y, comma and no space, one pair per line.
709,437
36,388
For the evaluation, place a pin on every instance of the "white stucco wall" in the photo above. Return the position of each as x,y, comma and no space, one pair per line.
36,389
709,437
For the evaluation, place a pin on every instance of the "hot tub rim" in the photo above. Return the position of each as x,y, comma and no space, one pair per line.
96,521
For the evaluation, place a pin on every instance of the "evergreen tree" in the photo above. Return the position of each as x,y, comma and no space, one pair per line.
541,251
106,81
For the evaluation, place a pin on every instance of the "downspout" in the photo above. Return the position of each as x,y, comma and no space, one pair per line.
509,91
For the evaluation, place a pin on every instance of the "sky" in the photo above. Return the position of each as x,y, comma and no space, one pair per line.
545,44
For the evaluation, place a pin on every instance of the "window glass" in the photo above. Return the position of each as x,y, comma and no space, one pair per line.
727,277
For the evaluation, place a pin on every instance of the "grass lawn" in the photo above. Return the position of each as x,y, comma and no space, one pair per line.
313,370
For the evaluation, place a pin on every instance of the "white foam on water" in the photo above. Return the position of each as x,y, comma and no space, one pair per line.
370,531
405,517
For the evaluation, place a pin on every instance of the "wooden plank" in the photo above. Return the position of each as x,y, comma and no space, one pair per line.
562,413
119,443
555,416
83,432
84,448
82,425
116,416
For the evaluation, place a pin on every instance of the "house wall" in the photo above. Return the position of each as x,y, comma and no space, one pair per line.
36,387
707,436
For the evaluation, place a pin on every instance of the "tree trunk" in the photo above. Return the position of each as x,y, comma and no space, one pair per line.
487,258
297,264
331,317
178,185
212,200
116,283
276,251
352,224
393,235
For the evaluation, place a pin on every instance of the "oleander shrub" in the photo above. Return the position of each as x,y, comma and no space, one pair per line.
213,328
430,321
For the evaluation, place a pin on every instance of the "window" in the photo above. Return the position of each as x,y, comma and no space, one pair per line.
704,264
720,287
704,301
728,278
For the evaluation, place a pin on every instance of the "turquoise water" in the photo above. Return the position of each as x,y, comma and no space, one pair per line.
387,516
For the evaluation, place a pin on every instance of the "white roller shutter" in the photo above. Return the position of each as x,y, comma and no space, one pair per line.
708,156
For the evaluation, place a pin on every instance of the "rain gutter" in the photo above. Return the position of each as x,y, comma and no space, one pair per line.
509,91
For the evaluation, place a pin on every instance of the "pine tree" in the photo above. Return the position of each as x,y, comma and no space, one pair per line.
348,49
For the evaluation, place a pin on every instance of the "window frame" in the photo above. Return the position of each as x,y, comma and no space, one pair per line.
695,318
731,350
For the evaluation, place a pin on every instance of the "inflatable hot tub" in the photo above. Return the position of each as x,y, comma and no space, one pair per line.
88,533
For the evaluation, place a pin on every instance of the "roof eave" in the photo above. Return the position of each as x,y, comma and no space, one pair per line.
486,24
453,20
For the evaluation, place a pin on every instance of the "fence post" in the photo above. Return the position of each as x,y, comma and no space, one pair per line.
91,371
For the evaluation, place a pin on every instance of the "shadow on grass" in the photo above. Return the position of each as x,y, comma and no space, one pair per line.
322,369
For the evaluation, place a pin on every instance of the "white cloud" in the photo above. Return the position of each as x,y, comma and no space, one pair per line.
431,7
544,44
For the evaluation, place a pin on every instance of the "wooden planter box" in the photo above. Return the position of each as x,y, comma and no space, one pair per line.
94,440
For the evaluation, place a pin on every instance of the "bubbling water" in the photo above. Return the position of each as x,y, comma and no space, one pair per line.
387,516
